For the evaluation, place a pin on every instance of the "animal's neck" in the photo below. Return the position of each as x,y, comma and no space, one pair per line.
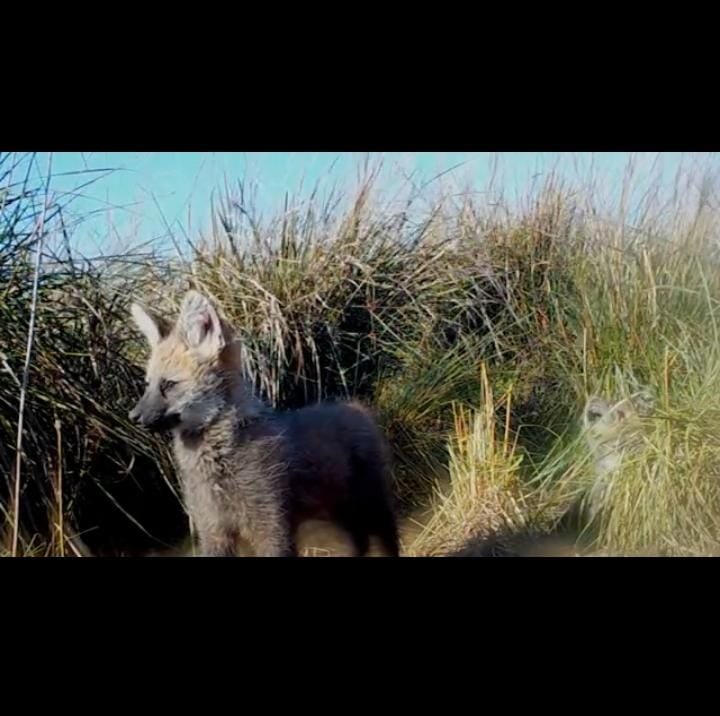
243,400
240,409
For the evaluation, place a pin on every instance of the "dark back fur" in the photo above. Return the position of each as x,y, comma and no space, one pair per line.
260,479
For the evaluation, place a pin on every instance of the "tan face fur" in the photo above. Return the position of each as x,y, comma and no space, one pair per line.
608,430
192,366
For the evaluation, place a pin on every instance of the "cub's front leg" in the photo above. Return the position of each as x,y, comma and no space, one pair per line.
276,540
219,543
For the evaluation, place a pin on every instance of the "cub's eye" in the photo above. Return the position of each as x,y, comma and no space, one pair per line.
167,385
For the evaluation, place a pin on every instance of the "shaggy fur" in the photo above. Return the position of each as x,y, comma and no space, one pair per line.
250,473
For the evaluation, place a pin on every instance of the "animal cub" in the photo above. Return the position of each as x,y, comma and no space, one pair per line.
612,432
249,473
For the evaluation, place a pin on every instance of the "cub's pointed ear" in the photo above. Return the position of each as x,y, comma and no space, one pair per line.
201,326
153,327
624,410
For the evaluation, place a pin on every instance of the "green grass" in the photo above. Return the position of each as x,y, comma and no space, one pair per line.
477,334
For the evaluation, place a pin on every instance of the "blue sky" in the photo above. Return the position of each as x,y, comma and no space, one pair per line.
142,191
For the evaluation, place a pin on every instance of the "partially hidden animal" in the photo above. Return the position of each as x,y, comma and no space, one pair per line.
612,432
250,473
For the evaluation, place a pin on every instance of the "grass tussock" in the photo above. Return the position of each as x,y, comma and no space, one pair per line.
484,496
84,471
